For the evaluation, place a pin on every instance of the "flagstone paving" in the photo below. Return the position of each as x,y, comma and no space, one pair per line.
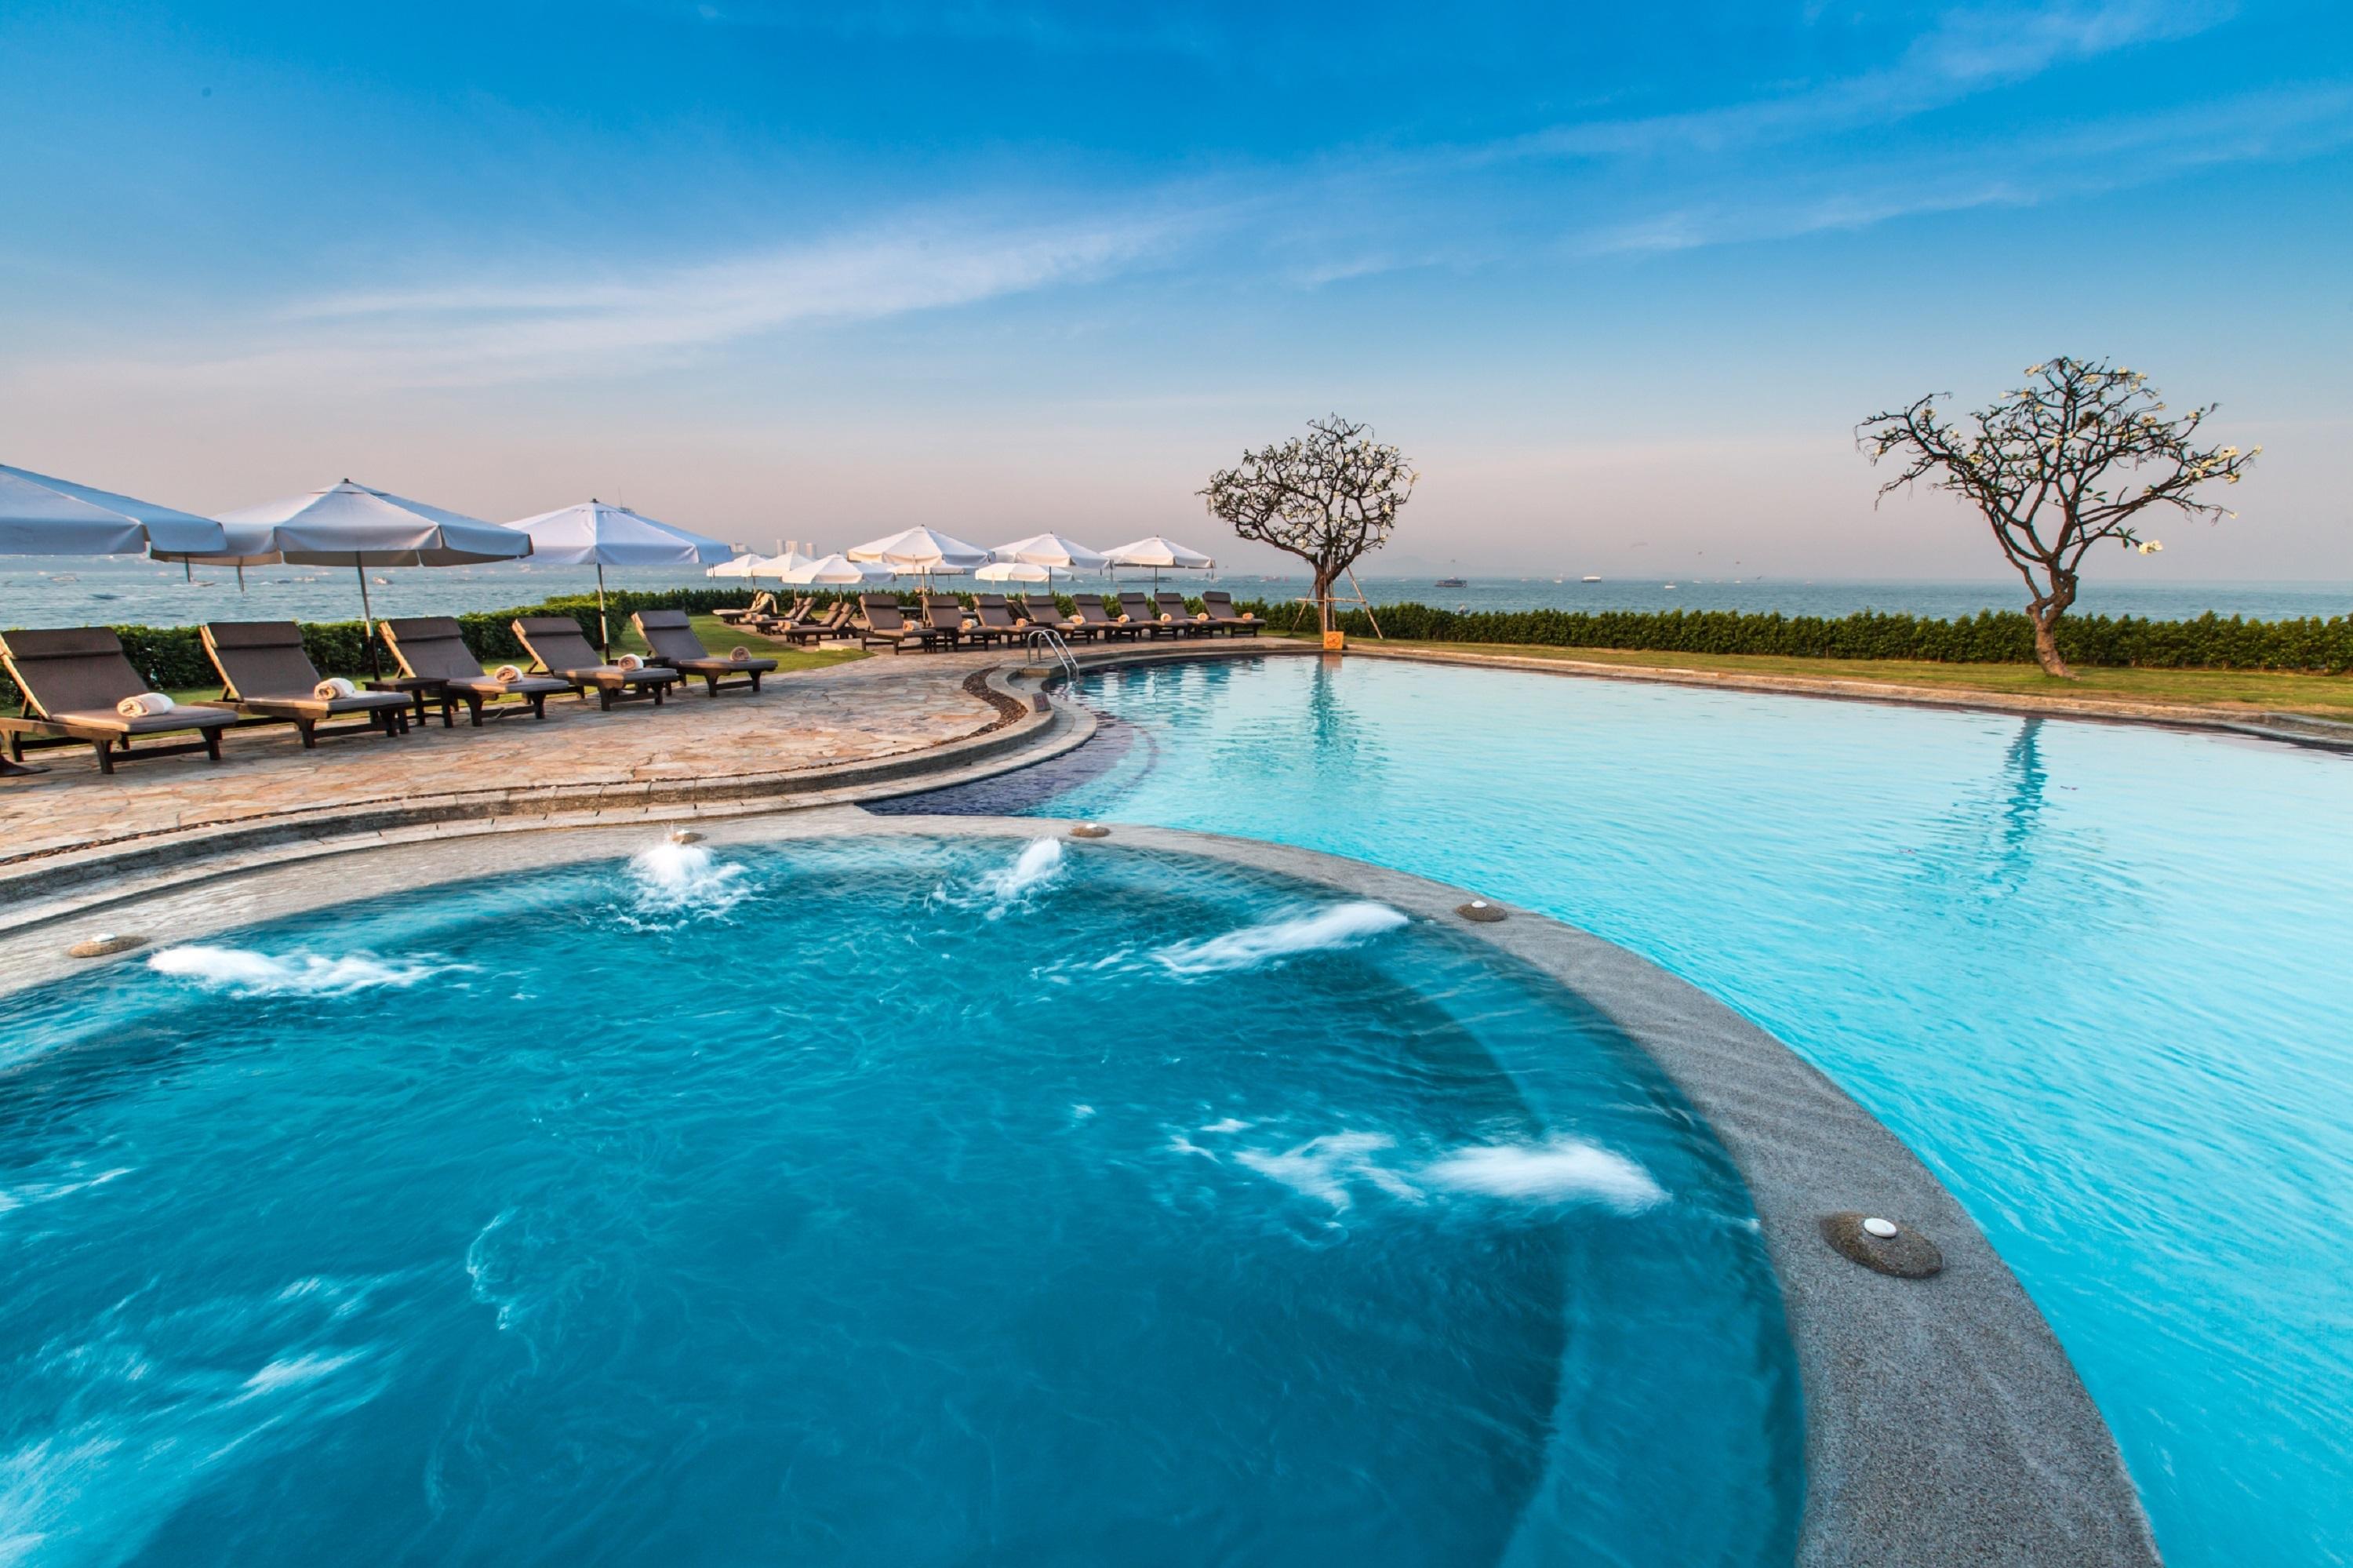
870,709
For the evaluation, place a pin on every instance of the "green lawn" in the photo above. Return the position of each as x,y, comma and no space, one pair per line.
2327,696
720,637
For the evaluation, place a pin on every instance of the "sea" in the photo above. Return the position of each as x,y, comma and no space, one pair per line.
130,590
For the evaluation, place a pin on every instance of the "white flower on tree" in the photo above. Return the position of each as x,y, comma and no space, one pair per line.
1327,497
2058,466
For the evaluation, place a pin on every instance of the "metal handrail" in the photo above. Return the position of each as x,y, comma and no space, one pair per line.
1052,640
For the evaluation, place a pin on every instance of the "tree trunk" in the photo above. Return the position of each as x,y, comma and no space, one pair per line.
1323,599
2046,643
2045,612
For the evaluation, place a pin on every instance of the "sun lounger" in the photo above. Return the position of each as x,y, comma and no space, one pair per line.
1224,616
1141,611
559,648
268,677
71,679
954,623
1094,621
433,652
887,626
1172,605
763,605
671,637
1043,611
836,621
995,618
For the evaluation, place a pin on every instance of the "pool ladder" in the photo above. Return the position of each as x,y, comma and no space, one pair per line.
1051,642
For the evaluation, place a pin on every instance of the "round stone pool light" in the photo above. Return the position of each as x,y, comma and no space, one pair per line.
1883,1245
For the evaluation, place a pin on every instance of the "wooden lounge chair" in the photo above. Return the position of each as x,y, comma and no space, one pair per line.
70,680
432,650
671,637
839,621
1095,620
1043,611
887,626
1172,605
1141,611
763,605
268,677
946,616
559,648
995,618
1224,616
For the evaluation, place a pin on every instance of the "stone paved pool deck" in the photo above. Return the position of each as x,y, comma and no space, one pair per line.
816,737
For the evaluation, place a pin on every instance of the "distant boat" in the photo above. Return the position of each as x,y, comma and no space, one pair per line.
1557,581
1450,582
1592,579
1666,584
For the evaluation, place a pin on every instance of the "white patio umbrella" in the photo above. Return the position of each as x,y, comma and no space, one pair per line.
1160,555
1051,550
744,565
594,532
923,551
44,517
1017,572
836,571
348,525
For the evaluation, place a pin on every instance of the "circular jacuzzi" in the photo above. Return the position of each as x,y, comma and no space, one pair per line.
882,1200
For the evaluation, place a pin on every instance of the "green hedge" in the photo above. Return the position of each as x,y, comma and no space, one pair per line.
2210,642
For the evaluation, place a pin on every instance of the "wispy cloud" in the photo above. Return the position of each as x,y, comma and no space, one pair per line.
2061,162
494,325
1967,51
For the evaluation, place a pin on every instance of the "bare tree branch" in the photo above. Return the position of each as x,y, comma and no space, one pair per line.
2060,464
1327,497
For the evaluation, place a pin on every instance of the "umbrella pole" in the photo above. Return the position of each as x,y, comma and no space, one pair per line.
367,618
240,579
603,633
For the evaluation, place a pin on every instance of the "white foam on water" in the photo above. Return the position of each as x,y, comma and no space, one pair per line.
1328,1165
132,1432
1231,1124
33,1193
1332,1168
1563,1171
1327,929
676,880
240,971
1008,889
288,1371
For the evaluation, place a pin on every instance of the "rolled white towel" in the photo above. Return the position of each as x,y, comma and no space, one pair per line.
507,674
1166,616
739,654
146,705
333,687
629,661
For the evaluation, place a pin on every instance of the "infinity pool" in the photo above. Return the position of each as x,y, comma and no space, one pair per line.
891,1202
2101,976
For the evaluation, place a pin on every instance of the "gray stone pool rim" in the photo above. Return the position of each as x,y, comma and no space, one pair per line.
1944,1423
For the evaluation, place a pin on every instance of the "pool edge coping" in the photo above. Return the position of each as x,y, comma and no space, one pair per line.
1944,1422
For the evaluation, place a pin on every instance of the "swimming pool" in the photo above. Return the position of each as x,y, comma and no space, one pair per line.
2096,975
879,1202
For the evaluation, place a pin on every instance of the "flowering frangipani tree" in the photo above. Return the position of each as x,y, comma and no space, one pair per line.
1327,497
2060,464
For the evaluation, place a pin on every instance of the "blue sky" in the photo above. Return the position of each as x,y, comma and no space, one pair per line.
815,270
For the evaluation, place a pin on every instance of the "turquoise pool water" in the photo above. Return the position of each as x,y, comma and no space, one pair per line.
2100,977
887,1203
